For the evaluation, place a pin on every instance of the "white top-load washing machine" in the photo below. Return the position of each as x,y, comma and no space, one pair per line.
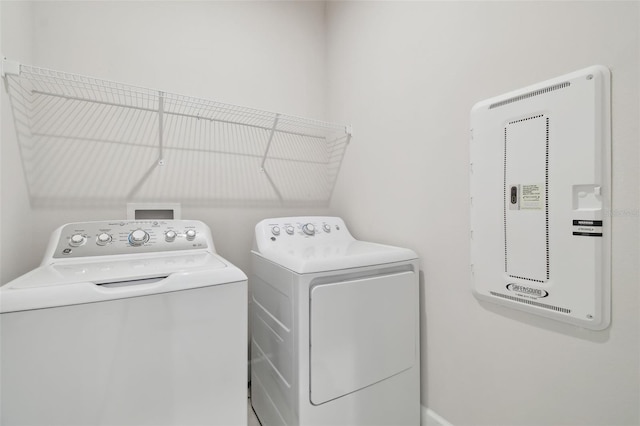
334,327
126,323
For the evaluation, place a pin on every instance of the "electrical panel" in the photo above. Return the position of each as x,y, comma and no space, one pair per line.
540,180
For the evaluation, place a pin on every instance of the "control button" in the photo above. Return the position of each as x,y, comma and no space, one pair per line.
308,228
326,227
138,237
103,239
191,234
170,236
289,229
77,240
275,230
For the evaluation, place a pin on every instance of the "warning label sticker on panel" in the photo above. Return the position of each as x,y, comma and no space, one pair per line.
532,196
587,228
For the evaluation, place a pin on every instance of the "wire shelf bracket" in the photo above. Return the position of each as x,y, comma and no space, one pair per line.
86,141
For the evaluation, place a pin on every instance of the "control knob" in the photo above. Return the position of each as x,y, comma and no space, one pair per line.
289,229
326,227
308,228
170,236
275,230
77,240
138,237
191,234
103,239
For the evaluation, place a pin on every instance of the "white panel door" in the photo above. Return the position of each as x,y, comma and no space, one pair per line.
361,332
526,212
174,359
540,186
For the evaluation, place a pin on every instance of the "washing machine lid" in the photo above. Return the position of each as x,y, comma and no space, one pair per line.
81,281
310,244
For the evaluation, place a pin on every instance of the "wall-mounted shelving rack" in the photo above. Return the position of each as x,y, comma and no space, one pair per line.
85,141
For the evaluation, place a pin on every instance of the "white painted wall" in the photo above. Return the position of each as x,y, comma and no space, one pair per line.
1,119
18,247
268,55
406,75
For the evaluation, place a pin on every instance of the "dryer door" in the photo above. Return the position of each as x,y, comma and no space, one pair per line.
362,331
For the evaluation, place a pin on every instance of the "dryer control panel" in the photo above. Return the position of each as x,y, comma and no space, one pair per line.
302,229
310,244
107,238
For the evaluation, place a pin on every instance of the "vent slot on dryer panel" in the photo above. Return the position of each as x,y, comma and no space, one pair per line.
530,94
531,302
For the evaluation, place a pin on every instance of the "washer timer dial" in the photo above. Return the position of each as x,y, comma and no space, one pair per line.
308,228
138,237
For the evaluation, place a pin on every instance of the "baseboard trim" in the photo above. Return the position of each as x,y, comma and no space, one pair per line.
428,417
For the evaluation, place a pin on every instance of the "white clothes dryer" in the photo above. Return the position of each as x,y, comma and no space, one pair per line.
334,327
126,323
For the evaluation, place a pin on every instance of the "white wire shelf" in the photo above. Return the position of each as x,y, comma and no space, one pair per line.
91,142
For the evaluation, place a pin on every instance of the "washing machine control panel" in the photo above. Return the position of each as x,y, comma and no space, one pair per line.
129,236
